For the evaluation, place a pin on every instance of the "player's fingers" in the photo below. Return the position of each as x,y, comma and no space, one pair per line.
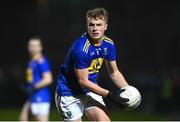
124,99
121,90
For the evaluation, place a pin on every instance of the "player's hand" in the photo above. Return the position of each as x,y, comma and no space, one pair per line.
28,89
119,101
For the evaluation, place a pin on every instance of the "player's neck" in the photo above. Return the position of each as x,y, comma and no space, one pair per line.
37,56
97,42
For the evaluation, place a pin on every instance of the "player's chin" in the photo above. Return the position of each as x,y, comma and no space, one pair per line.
96,37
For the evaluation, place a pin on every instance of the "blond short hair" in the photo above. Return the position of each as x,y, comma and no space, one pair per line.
97,13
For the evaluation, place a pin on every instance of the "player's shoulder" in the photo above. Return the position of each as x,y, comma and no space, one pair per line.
82,43
42,59
108,40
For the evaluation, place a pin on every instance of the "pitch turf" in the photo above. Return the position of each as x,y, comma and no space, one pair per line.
11,114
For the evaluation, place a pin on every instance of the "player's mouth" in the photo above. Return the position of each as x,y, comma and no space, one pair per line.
95,34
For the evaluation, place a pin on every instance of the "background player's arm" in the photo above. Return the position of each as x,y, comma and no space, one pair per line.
115,74
82,75
45,81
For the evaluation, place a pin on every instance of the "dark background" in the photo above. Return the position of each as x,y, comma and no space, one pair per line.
146,34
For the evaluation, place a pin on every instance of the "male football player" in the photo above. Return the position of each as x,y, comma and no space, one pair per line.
39,77
77,89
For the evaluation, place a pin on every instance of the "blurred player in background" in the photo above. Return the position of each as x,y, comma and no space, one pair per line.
39,77
77,90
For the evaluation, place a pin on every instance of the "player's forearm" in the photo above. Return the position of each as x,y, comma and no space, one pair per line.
118,79
94,88
43,83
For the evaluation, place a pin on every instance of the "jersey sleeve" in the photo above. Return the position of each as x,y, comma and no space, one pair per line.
44,66
111,53
80,59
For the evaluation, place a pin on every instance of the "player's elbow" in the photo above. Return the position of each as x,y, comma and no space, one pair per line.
48,80
83,82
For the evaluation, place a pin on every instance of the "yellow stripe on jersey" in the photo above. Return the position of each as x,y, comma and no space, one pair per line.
106,39
94,71
83,34
109,41
29,75
86,46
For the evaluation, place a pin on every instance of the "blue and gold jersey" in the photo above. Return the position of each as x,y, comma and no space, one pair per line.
83,54
34,73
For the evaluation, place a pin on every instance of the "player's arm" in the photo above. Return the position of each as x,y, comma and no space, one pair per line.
115,74
82,75
81,69
45,81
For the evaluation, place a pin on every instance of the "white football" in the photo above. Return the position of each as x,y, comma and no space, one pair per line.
133,95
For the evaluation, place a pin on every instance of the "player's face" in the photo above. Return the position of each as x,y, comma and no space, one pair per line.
34,47
96,28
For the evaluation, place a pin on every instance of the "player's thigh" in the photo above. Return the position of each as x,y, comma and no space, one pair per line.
70,108
95,108
40,111
96,114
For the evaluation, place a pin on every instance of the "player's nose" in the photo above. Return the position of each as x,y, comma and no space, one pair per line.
95,28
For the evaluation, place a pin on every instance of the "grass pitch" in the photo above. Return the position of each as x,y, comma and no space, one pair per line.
12,114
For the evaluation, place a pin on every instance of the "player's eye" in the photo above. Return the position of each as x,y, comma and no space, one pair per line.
99,24
91,24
